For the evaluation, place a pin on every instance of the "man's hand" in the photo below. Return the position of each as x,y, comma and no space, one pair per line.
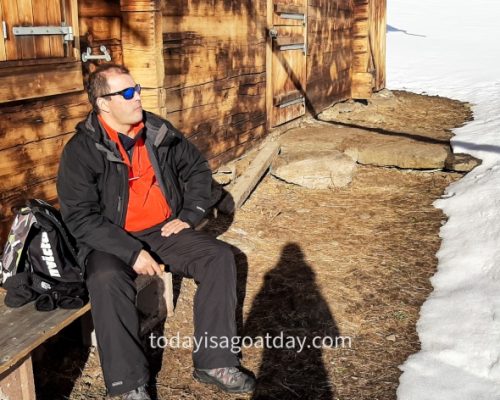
146,265
174,226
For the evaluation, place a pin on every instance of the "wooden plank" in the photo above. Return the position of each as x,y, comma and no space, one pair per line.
24,329
330,54
41,119
12,46
362,84
92,8
36,162
140,5
231,154
3,55
18,195
101,28
289,8
213,116
72,20
285,97
377,39
142,47
42,43
244,185
25,12
18,382
37,81
54,17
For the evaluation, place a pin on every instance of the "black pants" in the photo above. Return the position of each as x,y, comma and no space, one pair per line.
110,281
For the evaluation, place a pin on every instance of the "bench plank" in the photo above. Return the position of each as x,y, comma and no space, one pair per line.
23,329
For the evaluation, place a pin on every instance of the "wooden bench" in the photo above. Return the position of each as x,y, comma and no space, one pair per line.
24,329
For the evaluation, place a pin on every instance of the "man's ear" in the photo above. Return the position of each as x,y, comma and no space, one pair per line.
103,105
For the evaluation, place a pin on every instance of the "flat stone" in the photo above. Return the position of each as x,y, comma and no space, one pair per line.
399,153
371,147
461,162
315,170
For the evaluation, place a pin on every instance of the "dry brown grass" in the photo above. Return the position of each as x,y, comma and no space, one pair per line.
353,262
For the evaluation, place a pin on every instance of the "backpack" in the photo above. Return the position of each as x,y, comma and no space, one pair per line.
39,261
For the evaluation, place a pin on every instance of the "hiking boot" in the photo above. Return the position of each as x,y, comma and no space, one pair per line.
137,394
229,379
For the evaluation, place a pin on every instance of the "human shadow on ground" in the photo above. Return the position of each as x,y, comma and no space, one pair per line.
290,305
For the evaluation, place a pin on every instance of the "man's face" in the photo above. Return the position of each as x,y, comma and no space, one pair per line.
117,111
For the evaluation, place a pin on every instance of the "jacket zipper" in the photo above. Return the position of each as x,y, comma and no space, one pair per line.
121,198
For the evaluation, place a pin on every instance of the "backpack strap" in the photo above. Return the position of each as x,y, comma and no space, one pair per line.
49,218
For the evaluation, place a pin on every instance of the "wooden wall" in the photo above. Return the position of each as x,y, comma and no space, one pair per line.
369,47
32,135
100,24
34,132
214,59
202,64
330,53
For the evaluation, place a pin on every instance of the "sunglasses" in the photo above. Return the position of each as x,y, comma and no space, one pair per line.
127,93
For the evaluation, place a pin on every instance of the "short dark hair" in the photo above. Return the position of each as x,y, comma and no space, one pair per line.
97,84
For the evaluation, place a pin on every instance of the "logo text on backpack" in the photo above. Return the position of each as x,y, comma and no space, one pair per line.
48,256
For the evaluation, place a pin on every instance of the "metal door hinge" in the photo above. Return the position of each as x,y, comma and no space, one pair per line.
4,30
67,31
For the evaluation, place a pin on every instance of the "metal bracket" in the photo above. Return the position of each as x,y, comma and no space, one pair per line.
292,102
4,30
295,46
300,17
87,55
67,31
273,34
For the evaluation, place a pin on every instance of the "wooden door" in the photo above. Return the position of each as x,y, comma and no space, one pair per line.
286,60
15,14
39,49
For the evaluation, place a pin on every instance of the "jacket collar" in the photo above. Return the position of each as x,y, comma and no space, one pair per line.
158,131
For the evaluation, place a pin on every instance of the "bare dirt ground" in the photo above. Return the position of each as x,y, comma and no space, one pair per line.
352,263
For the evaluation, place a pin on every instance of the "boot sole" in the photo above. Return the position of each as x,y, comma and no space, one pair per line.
205,378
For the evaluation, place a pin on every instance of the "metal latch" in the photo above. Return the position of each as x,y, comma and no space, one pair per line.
87,55
67,31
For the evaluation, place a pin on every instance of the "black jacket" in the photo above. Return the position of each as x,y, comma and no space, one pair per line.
92,184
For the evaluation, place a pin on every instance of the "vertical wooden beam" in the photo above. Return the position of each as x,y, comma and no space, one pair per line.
269,66
25,11
42,43
12,46
54,17
72,20
3,56
142,43
17,383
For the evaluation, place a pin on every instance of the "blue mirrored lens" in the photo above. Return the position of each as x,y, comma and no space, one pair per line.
128,93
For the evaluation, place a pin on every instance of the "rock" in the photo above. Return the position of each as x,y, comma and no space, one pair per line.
383,94
348,106
401,153
391,338
461,162
369,147
315,170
